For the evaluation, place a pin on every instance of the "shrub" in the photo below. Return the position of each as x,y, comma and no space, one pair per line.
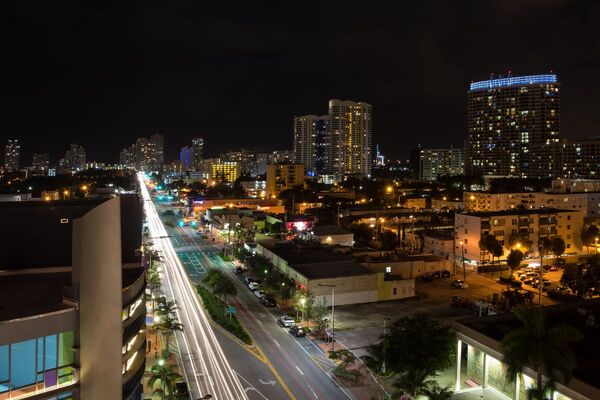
216,310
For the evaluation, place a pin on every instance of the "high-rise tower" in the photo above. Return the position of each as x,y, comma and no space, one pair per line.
513,126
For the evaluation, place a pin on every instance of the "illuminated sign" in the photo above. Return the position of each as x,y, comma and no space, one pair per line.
514,81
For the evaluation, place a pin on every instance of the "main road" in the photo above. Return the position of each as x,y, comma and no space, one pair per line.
207,370
278,365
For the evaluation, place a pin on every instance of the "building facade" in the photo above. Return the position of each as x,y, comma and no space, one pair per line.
281,177
12,153
64,333
513,127
40,163
187,161
351,138
75,158
581,158
197,151
534,224
429,164
225,171
312,142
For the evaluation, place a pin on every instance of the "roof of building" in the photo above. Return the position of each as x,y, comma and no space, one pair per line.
587,350
516,211
297,254
39,233
329,230
327,270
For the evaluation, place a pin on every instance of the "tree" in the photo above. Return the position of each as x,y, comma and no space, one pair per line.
545,349
496,250
344,356
520,238
168,326
433,391
388,240
212,278
589,235
320,316
166,308
415,348
362,234
225,287
164,375
514,260
558,247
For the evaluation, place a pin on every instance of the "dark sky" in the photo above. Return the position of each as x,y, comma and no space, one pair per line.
101,73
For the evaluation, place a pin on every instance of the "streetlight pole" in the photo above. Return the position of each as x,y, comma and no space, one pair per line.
332,314
385,319
541,269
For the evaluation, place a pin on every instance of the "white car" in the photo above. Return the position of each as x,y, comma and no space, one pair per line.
259,294
459,283
253,286
286,321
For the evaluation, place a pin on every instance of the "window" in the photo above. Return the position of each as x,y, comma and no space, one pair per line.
394,291
568,217
22,363
466,231
568,245
568,226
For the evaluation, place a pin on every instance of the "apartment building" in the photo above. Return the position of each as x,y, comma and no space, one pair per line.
534,224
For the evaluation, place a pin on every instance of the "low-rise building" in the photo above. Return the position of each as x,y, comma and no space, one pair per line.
480,368
315,269
226,171
533,224
446,204
330,235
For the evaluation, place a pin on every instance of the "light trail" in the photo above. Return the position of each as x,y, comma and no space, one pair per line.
208,370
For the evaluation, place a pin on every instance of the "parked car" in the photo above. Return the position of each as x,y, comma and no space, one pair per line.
253,286
239,270
460,284
268,301
259,294
440,274
286,321
297,331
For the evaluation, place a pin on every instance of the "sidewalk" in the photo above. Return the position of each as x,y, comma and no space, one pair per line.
154,349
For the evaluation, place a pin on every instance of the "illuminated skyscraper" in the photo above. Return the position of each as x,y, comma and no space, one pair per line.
11,155
186,159
351,138
312,141
198,151
513,127
75,158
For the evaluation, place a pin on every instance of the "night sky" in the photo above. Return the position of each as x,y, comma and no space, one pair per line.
102,73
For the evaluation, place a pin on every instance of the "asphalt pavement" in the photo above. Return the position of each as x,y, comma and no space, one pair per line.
279,365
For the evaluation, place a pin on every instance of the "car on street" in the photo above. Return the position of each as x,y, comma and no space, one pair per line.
286,321
239,270
268,301
460,284
253,286
297,331
258,294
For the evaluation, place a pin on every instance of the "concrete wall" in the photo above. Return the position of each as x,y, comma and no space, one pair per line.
37,326
394,289
408,269
97,278
348,290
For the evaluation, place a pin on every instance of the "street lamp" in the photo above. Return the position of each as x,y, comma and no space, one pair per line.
332,314
302,304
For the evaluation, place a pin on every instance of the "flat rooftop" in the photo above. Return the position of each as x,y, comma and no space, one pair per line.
297,255
328,270
515,211
587,350
329,230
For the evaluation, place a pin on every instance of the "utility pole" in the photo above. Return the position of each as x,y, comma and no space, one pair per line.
385,319
332,314
462,248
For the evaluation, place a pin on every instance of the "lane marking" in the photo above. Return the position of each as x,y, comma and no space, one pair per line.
299,370
277,344
313,392
258,320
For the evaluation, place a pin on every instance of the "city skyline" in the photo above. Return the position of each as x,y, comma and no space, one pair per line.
79,97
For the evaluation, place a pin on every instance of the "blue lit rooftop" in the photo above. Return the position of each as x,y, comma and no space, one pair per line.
514,81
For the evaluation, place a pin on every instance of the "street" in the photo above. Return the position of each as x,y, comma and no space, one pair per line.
278,365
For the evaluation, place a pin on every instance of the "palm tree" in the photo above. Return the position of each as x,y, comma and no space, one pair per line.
225,287
558,248
212,278
167,308
433,391
167,378
543,348
168,326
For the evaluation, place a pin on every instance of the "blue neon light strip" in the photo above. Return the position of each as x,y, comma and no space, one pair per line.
514,80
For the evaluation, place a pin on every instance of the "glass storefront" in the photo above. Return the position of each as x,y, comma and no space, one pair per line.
498,377
33,365
471,367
